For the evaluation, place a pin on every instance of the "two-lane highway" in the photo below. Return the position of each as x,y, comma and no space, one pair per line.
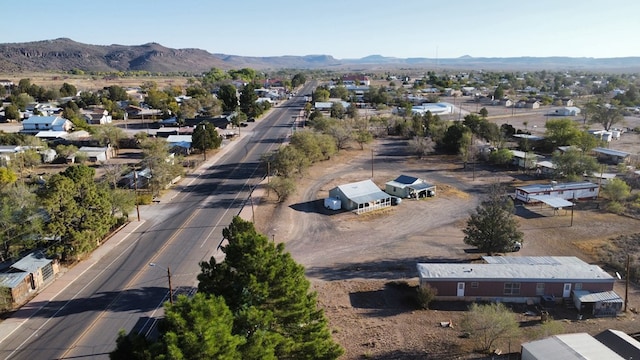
121,291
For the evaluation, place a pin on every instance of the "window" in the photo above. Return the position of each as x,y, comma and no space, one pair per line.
560,192
474,285
592,189
540,289
577,286
512,288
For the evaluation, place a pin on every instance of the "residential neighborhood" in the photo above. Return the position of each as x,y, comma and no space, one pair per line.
148,142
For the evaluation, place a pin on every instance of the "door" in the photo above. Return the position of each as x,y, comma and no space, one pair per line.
460,292
566,292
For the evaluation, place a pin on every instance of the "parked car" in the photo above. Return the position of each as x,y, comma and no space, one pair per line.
251,120
243,124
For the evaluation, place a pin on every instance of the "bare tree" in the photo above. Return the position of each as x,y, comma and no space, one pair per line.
421,146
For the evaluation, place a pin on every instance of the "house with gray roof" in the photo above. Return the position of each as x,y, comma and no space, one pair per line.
25,277
514,279
405,186
362,196
35,124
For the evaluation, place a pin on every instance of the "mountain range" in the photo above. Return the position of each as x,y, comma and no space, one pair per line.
65,55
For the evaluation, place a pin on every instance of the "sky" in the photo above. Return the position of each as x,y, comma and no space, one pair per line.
344,29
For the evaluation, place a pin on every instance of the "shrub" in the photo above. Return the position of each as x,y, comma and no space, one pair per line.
425,295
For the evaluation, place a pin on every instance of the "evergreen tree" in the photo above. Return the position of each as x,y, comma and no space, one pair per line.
493,228
269,296
197,328
228,95
78,210
248,99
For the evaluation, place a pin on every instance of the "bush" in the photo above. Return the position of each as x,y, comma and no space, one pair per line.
615,207
425,295
145,199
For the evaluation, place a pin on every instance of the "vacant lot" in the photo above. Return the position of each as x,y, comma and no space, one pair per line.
363,267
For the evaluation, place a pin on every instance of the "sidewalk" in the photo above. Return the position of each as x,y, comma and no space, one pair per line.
69,275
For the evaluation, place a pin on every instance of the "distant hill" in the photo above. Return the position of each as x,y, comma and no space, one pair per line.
65,55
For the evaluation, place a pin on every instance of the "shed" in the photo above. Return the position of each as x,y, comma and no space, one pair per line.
525,159
96,154
361,196
567,111
405,186
612,156
30,273
578,346
598,304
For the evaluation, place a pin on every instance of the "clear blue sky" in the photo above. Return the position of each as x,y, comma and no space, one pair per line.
341,28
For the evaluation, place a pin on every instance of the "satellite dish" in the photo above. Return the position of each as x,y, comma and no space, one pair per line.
618,275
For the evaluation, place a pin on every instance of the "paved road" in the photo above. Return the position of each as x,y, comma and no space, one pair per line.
120,290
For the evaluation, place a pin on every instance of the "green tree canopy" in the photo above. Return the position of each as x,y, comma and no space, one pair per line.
248,99
298,79
562,132
205,137
79,211
606,115
269,295
492,228
228,95
573,164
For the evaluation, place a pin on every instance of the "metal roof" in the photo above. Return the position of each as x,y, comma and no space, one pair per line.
406,179
534,260
554,187
579,346
421,186
623,344
179,138
363,192
553,201
611,152
32,262
604,296
510,272
11,280
36,119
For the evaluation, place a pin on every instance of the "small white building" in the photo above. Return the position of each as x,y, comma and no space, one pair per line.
405,186
567,111
567,191
362,196
96,154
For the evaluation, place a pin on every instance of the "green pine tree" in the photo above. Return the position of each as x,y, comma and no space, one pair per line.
270,297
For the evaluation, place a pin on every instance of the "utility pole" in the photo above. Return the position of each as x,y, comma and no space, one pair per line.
626,286
204,142
135,186
170,287
372,163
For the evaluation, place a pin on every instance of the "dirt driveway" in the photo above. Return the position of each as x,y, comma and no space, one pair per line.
363,266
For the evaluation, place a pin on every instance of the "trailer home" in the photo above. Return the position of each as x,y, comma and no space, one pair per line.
567,191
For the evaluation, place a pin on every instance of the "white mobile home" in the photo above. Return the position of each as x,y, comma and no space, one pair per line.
567,191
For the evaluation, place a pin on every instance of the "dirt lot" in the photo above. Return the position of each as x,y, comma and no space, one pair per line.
363,267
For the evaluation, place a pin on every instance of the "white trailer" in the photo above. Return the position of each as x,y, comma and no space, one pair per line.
567,191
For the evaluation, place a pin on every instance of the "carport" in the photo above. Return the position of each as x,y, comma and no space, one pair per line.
557,203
